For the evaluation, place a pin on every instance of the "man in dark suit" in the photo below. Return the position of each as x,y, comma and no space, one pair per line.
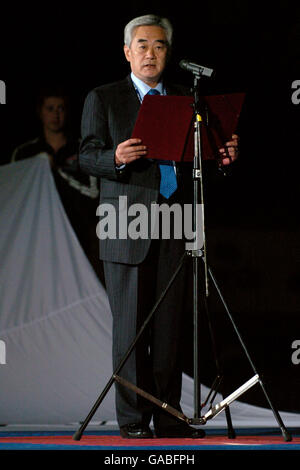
137,270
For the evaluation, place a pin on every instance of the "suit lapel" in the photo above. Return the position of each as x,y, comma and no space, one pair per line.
128,106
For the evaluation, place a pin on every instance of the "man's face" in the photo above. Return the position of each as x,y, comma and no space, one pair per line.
147,53
53,113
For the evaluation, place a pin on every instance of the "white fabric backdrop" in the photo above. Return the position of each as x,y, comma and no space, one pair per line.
55,320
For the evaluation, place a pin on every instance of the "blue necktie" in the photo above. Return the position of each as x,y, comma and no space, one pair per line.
168,182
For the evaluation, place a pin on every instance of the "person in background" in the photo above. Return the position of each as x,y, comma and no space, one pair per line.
78,192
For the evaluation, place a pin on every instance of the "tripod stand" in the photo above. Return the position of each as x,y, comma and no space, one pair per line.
198,253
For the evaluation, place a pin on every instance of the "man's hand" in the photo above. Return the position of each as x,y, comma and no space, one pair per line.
229,153
129,150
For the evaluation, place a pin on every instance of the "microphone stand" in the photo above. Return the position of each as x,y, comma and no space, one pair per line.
200,252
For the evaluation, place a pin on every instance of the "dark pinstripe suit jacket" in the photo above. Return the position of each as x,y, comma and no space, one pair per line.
108,118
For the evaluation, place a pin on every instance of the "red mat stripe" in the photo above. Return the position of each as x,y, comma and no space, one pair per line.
117,441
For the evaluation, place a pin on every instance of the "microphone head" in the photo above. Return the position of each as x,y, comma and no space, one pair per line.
196,69
182,64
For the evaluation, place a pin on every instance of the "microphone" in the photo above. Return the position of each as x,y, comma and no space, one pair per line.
198,70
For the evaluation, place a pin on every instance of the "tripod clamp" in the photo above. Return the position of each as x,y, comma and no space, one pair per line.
195,253
197,174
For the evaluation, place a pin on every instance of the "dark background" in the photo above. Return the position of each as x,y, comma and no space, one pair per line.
253,216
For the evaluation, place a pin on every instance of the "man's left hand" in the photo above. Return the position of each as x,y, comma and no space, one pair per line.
229,153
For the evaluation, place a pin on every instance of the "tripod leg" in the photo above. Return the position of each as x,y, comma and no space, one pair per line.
286,435
148,396
230,429
77,435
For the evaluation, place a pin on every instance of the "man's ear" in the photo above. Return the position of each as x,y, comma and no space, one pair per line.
127,52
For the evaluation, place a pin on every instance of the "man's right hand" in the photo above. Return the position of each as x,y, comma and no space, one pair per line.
129,150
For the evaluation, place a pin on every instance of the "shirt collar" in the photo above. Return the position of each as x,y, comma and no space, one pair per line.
142,88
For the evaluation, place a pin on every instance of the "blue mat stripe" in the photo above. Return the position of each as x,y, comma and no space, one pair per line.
239,447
